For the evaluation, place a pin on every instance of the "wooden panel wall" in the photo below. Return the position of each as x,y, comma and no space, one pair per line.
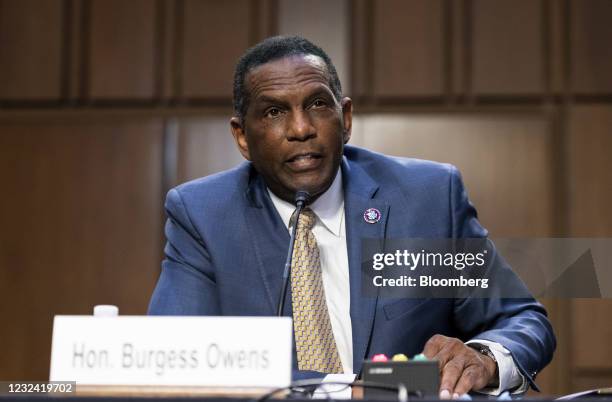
590,140
204,40
412,31
206,146
141,52
121,60
31,46
590,50
499,44
512,190
81,218
410,51
479,52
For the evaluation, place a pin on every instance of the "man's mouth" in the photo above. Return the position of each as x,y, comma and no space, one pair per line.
304,161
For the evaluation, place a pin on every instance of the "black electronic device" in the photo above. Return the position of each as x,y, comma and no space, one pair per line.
421,378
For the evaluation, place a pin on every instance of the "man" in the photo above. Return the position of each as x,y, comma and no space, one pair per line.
228,236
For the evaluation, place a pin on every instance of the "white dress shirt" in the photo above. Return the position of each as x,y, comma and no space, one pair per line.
330,232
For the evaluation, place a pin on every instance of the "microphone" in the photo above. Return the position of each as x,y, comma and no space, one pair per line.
301,199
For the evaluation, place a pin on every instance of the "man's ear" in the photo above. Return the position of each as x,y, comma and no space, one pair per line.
347,118
239,134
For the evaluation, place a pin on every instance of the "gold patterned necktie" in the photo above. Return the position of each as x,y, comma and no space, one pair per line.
314,339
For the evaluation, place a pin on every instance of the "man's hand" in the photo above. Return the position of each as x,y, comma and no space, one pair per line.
462,368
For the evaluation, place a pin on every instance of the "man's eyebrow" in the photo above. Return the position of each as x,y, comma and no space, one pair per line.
266,98
318,91
323,90
269,99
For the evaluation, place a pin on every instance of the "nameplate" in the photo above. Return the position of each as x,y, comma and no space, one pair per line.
174,351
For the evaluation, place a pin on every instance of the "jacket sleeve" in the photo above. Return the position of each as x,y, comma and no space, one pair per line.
187,284
518,323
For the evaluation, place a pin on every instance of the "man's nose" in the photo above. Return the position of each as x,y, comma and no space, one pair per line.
300,127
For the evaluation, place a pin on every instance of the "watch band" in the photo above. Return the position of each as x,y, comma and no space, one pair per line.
483,349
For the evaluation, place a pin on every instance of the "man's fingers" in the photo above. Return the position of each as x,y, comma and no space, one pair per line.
471,378
451,348
443,356
451,373
433,346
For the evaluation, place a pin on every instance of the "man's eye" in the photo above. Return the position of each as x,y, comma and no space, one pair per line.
272,112
319,103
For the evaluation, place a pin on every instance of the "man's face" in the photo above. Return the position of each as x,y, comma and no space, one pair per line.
294,129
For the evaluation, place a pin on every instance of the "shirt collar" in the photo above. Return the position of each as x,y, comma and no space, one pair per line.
329,207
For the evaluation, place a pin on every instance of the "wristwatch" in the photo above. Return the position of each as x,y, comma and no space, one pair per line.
485,350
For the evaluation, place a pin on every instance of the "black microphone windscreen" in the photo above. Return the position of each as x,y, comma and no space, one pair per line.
302,197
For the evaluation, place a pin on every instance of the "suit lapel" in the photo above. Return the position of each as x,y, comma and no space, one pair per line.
270,240
359,195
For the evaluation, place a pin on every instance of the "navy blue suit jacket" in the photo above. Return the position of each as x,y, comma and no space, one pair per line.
226,246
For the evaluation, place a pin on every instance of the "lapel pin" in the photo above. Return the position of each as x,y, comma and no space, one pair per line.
371,215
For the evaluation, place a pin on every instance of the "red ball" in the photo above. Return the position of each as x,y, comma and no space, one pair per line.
380,358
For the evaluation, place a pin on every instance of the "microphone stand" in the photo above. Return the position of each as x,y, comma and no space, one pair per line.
301,198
